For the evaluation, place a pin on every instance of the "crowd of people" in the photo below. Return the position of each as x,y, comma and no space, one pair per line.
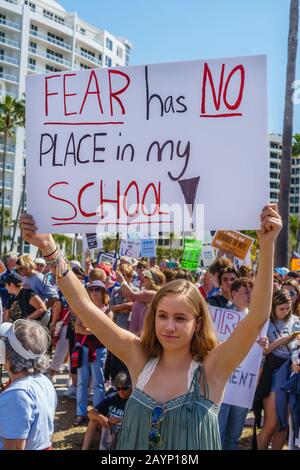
141,337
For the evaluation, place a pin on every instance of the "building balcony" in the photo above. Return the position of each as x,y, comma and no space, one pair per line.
56,42
10,24
9,148
36,69
47,56
7,203
8,77
8,184
8,93
88,57
8,166
10,42
9,60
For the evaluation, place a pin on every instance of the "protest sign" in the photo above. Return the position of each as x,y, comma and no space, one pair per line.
120,149
233,241
241,386
131,248
148,248
208,255
295,264
191,254
106,258
2,268
91,241
171,264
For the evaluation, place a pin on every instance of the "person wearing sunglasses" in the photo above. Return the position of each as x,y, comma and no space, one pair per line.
294,290
40,265
34,280
178,370
107,416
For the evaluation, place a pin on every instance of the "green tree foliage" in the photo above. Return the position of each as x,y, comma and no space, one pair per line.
12,115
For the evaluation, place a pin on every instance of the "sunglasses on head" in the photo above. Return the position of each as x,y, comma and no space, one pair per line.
122,389
94,289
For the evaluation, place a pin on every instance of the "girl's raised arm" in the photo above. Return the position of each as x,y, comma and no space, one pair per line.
120,342
221,362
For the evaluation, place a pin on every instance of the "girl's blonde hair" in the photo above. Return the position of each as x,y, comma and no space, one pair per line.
156,277
204,339
25,261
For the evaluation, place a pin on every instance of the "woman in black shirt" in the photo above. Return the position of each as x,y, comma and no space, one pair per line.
25,303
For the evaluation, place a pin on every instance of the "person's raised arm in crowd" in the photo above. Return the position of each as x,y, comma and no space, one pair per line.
151,280
228,355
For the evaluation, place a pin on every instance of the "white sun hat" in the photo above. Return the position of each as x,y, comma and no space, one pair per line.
7,330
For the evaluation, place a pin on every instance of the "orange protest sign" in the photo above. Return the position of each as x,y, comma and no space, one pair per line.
295,264
2,268
233,241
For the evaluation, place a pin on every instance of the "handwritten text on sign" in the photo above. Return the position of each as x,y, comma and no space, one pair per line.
234,242
241,386
131,145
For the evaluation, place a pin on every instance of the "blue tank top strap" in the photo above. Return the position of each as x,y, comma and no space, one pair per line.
198,380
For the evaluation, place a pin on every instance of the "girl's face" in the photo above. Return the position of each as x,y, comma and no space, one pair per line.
147,283
175,324
282,310
22,271
95,294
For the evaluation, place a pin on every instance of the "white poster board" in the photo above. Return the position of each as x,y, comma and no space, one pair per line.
208,255
133,145
107,258
131,248
91,241
241,386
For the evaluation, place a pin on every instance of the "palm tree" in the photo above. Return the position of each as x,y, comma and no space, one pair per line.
296,145
19,211
171,239
12,115
282,246
109,243
7,223
64,242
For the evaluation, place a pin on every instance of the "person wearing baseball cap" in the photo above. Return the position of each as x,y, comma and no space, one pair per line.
24,303
27,405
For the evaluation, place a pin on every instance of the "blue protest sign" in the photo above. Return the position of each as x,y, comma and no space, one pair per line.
148,248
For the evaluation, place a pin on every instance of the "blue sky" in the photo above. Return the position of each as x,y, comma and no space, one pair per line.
175,30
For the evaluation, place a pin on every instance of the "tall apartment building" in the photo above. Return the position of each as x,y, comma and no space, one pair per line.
275,147
39,36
